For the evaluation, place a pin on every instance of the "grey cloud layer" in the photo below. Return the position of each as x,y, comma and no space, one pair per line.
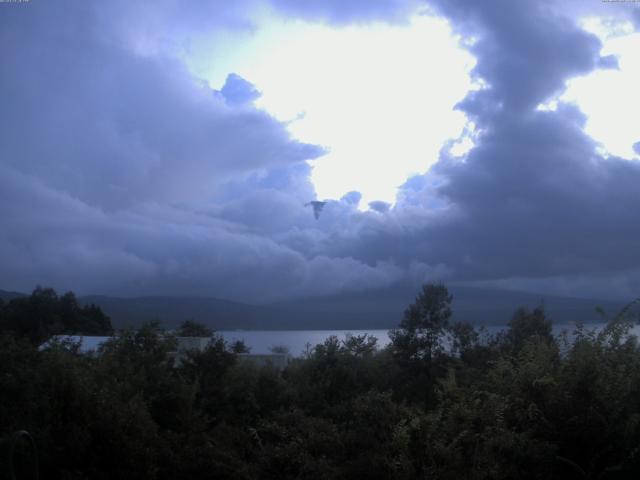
112,127
121,173
340,12
533,199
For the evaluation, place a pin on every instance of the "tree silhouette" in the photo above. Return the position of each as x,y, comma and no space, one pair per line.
191,328
425,321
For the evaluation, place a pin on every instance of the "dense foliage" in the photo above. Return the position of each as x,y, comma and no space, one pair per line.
191,328
441,401
44,313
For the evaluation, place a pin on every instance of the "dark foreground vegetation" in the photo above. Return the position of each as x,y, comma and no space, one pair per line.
442,401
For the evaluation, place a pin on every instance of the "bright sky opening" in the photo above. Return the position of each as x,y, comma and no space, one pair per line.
610,97
379,97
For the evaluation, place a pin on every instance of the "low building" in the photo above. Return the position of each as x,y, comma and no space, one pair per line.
277,360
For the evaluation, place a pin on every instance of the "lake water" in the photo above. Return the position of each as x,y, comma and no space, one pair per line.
261,341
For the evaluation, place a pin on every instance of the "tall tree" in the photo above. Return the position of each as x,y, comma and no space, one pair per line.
525,325
423,326
417,342
191,328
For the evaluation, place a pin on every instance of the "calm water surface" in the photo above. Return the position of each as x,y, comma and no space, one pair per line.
261,341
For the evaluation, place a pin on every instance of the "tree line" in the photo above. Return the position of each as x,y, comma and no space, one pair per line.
443,400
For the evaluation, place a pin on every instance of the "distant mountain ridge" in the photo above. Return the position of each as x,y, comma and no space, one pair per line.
384,308
171,311
8,296
380,309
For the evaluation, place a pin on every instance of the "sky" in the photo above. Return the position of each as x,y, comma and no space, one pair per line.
156,148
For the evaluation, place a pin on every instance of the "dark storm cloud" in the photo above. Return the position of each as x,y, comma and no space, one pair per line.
379,206
636,18
609,61
168,20
538,201
533,199
114,127
340,11
352,198
54,239
122,173
525,52
237,91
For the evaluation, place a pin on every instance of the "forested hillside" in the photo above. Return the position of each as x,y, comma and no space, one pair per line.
520,404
